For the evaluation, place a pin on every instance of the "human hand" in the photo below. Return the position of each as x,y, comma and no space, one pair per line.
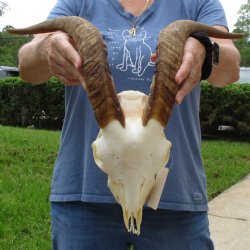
63,60
189,73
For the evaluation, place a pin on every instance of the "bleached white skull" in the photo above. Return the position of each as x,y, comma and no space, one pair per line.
131,147
132,156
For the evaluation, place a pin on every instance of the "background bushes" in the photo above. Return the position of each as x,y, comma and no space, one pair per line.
23,104
228,106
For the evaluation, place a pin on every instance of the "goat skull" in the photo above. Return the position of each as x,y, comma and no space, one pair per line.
132,156
131,147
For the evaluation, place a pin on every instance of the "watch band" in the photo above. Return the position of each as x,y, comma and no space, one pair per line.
212,53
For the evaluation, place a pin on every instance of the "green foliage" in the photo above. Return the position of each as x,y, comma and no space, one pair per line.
243,26
245,55
10,44
243,22
23,104
225,106
9,47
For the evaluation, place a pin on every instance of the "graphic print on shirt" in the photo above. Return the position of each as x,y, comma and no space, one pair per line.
136,53
132,54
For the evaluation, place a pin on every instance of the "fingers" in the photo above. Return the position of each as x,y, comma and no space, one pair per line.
187,85
189,73
186,66
63,59
64,74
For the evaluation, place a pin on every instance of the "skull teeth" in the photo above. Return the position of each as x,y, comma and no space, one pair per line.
132,225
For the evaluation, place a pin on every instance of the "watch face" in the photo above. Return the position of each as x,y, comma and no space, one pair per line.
216,53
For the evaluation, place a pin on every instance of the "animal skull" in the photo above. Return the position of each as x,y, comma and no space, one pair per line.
131,147
132,156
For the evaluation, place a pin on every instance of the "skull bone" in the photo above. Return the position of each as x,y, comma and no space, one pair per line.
132,157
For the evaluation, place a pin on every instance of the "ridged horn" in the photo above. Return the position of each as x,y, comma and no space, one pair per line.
96,73
170,49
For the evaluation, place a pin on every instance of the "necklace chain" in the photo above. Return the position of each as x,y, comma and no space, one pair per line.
133,30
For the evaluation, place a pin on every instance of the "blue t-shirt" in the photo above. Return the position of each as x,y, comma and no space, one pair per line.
76,176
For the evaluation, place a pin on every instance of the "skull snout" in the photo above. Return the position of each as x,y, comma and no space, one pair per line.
132,220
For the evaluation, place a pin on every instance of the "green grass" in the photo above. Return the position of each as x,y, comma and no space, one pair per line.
226,162
26,162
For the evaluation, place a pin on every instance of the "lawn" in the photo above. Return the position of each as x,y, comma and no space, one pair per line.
26,163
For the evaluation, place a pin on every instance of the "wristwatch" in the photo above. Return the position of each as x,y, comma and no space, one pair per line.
216,53
212,53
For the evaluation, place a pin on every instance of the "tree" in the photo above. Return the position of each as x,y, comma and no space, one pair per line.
243,25
3,8
9,46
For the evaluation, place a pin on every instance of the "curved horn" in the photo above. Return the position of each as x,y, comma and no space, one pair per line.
169,58
96,73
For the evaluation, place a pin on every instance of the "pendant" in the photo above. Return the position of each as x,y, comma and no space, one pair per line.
132,31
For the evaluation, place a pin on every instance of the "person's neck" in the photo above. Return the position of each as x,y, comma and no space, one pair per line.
135,7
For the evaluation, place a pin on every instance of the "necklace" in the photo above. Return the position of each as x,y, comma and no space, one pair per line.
133,30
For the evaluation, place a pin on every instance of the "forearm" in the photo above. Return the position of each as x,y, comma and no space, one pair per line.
227,71
33,64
